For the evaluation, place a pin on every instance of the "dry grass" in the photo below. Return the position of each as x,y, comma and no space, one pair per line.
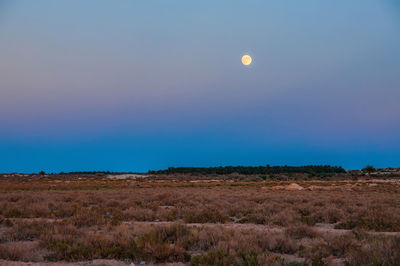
375,210
99,219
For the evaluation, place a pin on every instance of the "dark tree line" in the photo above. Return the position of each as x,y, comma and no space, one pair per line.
252,170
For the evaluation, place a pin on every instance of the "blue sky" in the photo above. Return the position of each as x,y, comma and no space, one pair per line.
139,85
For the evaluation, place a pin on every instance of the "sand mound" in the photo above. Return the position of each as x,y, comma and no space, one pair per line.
294,186
322,187
277,187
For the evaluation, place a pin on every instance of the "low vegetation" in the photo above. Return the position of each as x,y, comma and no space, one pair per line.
200,223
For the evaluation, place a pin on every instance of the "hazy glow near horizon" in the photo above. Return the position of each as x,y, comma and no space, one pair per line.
138,85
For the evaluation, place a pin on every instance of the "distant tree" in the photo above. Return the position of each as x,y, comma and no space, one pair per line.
369,169
252,170
42,173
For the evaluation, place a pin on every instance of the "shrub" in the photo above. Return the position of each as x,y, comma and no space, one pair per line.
348,225
241,258
26,231
300,231
88,218
369,169
206,216
318,261
247,258
19,251
376,252
13,213
308,220
15,253
281,244
154,246
212,257
8,223
296,263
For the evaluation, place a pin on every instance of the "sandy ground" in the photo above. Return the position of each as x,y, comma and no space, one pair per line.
126,176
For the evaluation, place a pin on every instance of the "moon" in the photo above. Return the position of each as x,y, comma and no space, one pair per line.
246,60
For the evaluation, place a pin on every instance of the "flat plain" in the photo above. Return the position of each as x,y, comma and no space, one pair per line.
81,220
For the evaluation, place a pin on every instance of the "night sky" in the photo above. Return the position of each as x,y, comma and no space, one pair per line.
139,85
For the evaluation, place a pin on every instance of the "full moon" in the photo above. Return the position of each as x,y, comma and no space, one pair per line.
246,60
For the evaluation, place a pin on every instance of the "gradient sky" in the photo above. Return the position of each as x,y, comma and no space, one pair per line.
139,85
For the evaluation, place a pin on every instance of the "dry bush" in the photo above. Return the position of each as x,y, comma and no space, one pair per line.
339,245
19,251
206,216
280,243
85,217
222,257
210,237
374,219
376,252
139,214
300,231
25,230
14,252
329,245
161,244
13,212
286,217
333,214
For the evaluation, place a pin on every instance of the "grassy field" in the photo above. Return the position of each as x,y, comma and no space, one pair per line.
203,222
